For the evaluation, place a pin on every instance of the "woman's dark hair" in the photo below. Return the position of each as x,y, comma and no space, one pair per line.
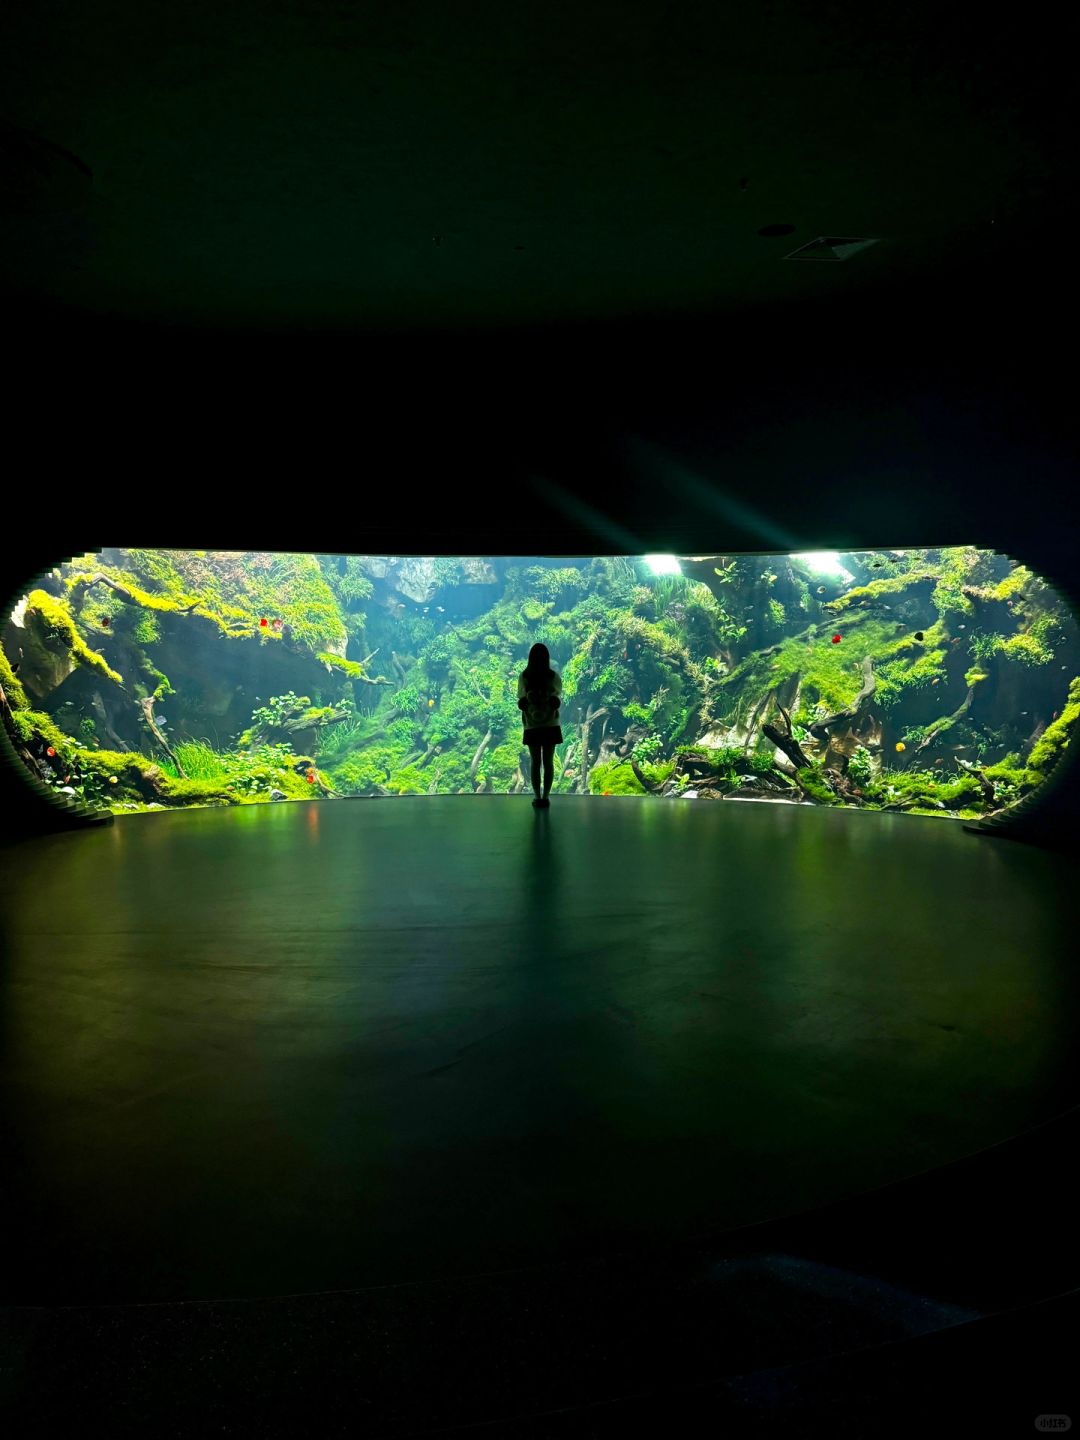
539,667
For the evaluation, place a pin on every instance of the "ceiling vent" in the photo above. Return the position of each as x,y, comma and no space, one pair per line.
830,247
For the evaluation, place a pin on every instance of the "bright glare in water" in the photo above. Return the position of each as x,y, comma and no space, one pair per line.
663,564
824,562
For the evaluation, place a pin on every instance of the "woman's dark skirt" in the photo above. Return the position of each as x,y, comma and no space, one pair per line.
542,735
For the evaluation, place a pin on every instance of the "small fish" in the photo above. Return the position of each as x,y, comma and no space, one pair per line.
278,624
938,762
264,622
876,564
936,681
1023,712
900,746
1054,715
821,589
310,777
441,609
956,641
50,752
112,779
963,627
106,621
836,639
430,703
919,635
426,609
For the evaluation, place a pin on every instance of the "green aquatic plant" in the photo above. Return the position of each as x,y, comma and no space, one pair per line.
860,766
336,741
648,748
198,760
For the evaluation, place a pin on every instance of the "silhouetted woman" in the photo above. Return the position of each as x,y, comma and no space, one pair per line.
539,688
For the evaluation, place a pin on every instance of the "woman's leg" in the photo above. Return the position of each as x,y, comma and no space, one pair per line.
534,751
549,765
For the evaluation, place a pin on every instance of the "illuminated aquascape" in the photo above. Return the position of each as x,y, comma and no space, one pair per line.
941,682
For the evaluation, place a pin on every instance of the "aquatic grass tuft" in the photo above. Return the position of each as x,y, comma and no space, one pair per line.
199,760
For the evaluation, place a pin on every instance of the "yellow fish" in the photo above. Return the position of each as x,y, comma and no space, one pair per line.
900,745
430,703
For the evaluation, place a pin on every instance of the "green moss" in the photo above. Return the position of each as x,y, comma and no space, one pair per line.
56,621
1027,648
232,591
194,792
1054,741
32,726
351,668
146,630
813,783
408,781
365,770
120,763
1014,582
614,776
895,585
16,695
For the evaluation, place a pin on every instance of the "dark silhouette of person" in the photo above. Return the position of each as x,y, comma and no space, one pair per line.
539,688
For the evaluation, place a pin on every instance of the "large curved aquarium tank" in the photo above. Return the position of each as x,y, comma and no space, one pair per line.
941,682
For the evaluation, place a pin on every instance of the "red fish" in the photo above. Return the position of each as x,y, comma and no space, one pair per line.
264,621
311,778
836,639
50,752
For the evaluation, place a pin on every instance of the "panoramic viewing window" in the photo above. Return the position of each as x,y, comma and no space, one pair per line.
939,682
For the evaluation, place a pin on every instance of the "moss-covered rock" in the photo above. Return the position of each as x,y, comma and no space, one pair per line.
1051,745
812,782
614,777
12,685
50,635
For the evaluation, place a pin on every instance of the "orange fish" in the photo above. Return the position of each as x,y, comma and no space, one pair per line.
311,778
50,752
264,622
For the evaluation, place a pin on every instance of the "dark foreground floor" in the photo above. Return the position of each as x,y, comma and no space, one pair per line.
511,1079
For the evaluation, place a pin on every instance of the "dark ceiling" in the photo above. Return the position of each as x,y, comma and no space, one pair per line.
416,163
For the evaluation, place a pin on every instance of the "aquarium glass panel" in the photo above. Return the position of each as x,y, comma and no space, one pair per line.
938,682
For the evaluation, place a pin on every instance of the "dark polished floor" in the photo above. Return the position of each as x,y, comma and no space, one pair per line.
311,1047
